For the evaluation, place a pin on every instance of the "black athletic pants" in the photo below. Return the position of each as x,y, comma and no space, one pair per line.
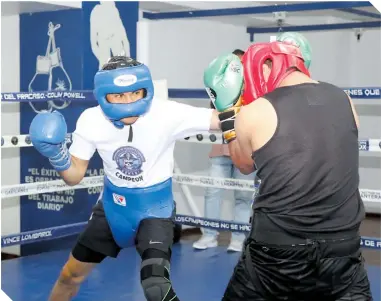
317,271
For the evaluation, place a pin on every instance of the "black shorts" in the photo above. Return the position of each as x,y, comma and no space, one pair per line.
328,271
96,242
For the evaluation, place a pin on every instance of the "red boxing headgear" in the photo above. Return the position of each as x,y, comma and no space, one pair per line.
285,59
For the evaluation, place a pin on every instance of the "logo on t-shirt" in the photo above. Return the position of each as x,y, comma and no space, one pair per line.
129,160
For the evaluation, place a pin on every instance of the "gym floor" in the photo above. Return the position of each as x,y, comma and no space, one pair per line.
196,275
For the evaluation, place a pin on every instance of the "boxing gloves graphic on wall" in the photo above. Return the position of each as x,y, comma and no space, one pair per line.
50,73
108,36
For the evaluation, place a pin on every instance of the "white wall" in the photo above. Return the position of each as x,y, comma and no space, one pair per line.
10,124
181,49
338,57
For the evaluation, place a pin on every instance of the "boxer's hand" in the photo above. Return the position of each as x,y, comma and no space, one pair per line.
223,81
227,119
47,133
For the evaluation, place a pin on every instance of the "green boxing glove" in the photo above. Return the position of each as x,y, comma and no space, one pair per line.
300,41
223,80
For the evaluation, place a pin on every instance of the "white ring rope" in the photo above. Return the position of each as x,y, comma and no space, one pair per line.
370,197
10,191
9,141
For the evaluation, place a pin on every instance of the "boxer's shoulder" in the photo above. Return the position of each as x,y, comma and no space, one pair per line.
172,107
159,102
255,107
162,107
93,115
255,113
92,119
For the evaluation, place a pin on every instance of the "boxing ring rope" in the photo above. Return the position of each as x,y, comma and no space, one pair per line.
9,191
12,141
372,197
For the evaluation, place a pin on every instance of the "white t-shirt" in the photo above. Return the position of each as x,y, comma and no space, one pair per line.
148,159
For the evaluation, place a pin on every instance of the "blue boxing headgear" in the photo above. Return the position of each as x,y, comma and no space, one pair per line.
119,75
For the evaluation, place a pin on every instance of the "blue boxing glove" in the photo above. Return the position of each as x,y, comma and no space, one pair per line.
47,133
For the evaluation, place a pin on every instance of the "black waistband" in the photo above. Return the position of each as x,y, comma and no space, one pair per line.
265,231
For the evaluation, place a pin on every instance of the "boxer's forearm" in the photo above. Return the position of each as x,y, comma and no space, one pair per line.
215,124
76,172
240,159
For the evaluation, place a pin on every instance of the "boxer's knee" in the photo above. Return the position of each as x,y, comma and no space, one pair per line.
155,276
158,289
75,271
71,275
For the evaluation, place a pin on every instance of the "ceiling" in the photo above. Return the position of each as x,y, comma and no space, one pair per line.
261,20
257,20
19,7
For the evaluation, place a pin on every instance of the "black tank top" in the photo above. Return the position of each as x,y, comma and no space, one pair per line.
309,170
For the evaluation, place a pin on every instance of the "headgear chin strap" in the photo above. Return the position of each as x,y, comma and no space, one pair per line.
285,58
120,76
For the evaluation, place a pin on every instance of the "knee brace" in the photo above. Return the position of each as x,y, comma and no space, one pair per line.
155,277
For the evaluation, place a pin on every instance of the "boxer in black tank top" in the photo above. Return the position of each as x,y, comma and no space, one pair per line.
305,241
302,138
